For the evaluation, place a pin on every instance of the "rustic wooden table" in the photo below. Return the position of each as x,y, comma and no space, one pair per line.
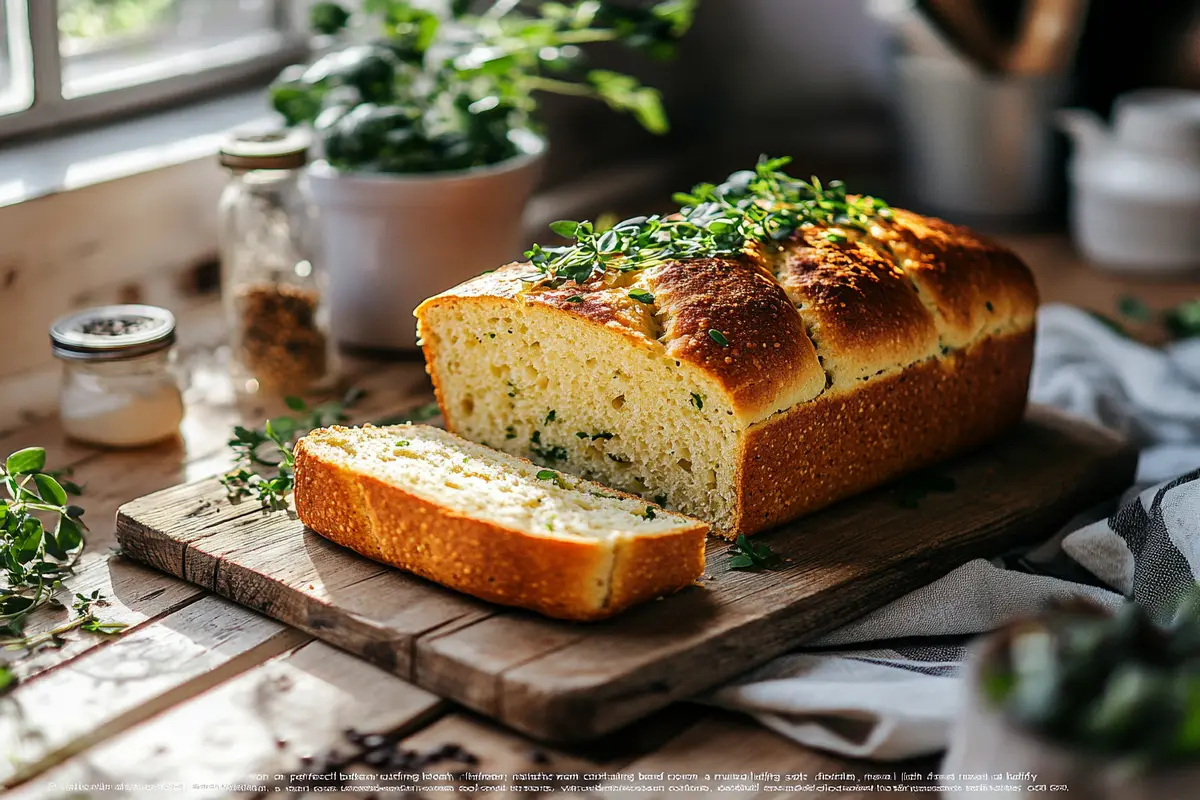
203,694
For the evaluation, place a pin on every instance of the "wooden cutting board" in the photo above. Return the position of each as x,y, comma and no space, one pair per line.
570,681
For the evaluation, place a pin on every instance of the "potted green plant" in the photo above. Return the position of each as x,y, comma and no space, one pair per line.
1079,701
430,140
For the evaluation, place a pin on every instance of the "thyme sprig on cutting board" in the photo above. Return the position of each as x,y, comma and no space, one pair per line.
745,554
41,540
752,208
264,463
263,468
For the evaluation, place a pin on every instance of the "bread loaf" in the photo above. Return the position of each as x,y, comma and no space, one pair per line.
750,388
490,524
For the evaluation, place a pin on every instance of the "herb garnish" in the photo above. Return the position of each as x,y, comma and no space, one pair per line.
546,475
642,296
550,416
698,401
647,513
41,540
510,432
264,463
661,499
718,337
753,209
751,555
574,299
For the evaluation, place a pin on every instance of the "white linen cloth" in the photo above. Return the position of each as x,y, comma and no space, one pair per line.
884,687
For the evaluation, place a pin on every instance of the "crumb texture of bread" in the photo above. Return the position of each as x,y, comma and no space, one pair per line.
491,524
748,390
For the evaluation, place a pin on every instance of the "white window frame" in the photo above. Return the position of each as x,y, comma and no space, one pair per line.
166,81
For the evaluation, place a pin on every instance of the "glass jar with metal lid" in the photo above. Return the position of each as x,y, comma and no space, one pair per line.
271,282
119,387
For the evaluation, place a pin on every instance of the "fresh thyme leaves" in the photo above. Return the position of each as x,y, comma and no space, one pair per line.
647,513
751,555
403,443
910,491
264,461
574,299
605,435
642,296
1134,308
697,401
718,337
546,475
41,540
550,416
752,209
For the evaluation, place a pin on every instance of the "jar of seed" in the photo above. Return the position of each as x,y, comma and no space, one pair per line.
271,282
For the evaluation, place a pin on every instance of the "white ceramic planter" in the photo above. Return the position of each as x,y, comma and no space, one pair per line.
390,241
983,740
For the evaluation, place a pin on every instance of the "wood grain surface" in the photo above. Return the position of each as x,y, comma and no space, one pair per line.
569,682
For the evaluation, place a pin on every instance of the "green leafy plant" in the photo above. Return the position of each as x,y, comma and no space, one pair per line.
758,208
745,554
41,540
263,467
446,88
1118,686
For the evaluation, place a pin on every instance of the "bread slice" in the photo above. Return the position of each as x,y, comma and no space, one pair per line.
491,524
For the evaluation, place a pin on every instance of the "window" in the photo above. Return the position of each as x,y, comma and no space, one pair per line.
62,61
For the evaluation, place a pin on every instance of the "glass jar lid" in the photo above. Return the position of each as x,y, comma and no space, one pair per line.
274,150
111,333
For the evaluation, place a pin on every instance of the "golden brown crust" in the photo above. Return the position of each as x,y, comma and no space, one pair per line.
844,443
859,308
556,576
913,287
768,362
974,286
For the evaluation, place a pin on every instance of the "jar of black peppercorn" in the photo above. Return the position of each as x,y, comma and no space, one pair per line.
271,280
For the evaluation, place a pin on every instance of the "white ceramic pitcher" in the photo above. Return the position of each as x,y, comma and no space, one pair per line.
1136,189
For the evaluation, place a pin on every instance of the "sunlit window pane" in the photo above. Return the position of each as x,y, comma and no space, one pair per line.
16,74
108,44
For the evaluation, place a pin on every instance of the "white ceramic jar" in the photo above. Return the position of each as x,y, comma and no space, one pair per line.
1136,190
391,241
119,387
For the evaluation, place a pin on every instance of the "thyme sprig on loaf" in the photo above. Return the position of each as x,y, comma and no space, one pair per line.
752,208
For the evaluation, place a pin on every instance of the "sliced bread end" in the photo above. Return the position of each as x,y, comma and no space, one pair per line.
491,524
